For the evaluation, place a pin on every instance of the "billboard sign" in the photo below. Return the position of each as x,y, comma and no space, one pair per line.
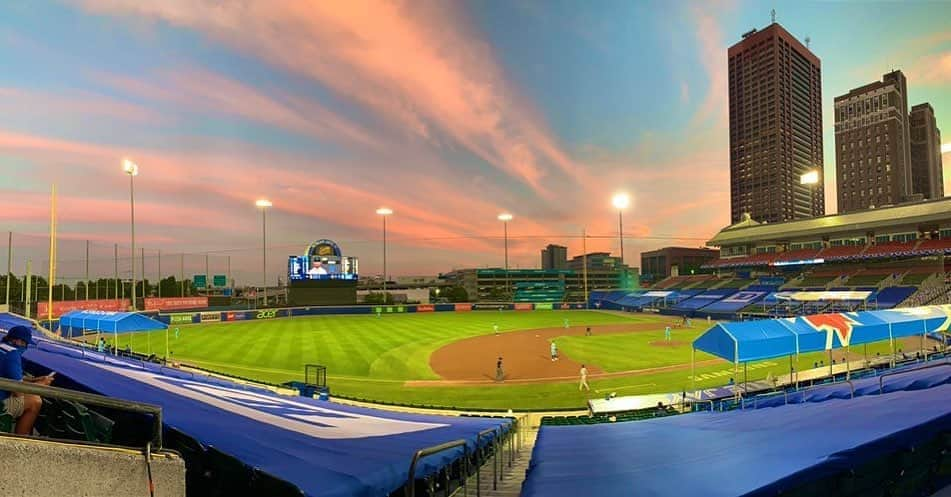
175,303
180,318
425,308
200,281
219,280
524,307
210,317
463,307
62,307
544,306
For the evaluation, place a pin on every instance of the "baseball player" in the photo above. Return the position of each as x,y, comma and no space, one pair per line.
495,328
584,379
554,351
499,372
667,334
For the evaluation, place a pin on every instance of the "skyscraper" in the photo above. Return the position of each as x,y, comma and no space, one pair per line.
872,156
554,257
927,172
775,127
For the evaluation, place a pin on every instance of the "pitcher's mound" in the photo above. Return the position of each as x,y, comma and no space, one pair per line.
672,343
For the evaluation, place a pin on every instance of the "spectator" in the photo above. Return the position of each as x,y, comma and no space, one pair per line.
22,407
101,346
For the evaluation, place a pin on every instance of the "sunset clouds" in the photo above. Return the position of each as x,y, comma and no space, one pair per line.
447,112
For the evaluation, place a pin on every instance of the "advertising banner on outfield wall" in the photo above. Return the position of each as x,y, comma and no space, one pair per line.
175,303
544,306
181,318
62,307
425,308
524,307
463,307
210,317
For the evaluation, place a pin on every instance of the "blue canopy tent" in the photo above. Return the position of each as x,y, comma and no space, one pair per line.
745,341
78,323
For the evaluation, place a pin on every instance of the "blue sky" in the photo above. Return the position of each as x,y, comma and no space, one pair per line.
447,112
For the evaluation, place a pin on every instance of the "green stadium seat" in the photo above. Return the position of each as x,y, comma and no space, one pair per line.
6,423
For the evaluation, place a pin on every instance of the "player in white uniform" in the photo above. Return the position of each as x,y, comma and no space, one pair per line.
584,379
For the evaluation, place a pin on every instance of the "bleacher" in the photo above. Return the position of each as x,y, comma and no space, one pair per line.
238,439
890,297
528,291
703,299
870,277
839,447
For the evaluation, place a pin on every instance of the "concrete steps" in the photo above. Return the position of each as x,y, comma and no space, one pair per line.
511,478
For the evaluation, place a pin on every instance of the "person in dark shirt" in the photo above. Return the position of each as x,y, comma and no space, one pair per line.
499,372
22,407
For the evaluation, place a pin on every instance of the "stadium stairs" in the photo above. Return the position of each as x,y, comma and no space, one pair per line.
514,466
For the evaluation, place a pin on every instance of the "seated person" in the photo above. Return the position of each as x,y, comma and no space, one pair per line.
22,407
318,269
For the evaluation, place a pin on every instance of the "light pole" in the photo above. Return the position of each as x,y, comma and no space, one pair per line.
132,169
263,204
621,201
383,211
505,217
810,179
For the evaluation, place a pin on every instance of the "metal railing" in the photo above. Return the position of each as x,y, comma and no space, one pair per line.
428,451
91,399
881,378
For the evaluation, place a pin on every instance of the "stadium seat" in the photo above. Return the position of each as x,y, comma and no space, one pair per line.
6,423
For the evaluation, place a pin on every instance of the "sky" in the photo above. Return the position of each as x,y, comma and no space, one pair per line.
449,113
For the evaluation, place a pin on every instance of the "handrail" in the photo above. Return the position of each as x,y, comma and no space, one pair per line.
826,385
495,473
881,378
428,451
92,399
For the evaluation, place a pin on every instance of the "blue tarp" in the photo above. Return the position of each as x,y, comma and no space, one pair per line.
325,449
741,453
765,339
75,323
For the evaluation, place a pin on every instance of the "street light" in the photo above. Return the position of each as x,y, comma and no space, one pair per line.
505,217
621,201
384,211
132,169
810,179
264,204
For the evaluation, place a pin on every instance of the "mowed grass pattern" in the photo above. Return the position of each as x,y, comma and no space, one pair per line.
370,358
394,347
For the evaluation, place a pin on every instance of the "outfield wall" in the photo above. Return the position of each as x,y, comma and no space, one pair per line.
196,317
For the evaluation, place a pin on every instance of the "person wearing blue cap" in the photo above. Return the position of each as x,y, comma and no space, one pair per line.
23,407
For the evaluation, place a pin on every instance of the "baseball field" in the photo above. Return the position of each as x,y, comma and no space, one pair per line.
449,359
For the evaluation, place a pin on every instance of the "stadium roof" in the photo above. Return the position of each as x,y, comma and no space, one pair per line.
748,231
746,341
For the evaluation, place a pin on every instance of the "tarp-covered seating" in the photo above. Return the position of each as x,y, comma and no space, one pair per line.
79,323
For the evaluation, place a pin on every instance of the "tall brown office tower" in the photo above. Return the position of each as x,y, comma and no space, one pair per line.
775,127
927,172
872,156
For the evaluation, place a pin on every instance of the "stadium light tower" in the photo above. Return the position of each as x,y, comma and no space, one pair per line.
505,217
264,204
132,169
383,212
621,201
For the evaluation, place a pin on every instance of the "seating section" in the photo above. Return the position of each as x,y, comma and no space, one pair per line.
892,296
871,445
890,249
934,247
704,299
539,292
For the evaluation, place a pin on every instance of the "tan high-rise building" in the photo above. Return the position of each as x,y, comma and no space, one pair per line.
775,127
927,172
872,156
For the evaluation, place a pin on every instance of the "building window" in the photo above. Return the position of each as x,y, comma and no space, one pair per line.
879,239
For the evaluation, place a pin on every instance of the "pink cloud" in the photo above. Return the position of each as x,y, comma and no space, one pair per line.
931,70
422,69
39,104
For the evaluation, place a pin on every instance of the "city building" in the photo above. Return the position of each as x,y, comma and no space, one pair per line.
674,261
604,272
554,257
872,154
927,172
775,88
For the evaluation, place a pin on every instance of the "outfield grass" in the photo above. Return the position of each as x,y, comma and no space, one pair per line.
370,358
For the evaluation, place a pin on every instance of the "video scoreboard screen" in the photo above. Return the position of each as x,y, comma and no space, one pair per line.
315,267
